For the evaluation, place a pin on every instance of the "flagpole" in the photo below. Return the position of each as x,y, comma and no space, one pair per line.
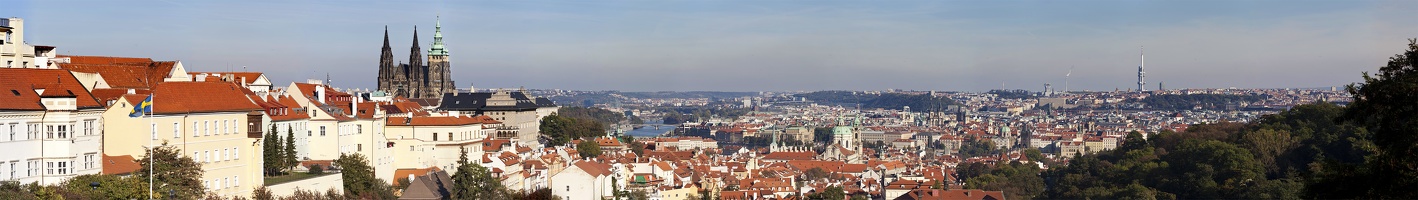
153,134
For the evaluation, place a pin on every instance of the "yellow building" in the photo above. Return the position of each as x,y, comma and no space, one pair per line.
212,122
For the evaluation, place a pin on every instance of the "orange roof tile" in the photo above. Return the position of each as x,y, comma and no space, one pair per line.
197,97
17,92
121,164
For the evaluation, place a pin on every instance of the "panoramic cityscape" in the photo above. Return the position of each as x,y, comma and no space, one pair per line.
709,100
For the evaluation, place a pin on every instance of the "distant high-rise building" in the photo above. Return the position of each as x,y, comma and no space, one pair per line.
1141,82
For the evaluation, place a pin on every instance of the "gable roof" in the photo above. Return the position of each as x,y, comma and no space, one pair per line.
196,97
17,91
433,185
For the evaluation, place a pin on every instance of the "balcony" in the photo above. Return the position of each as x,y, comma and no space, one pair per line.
253,124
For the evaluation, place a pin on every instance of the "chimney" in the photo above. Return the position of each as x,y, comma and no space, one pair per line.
319,93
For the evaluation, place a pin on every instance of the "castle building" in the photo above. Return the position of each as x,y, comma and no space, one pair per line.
416,79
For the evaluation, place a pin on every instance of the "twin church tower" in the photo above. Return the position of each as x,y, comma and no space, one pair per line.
417,79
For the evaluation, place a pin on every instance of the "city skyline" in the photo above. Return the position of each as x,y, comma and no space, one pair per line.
763,46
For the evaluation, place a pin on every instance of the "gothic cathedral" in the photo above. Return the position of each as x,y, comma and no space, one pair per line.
416,79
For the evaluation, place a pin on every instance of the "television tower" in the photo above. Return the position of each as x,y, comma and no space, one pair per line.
1141,76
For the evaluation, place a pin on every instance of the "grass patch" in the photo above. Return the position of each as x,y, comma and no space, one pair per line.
292,177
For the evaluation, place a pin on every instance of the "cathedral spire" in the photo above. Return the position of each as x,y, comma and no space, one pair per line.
437,49
386,38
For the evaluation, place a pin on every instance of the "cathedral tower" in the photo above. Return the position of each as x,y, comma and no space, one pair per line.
439,74
418,72
386,63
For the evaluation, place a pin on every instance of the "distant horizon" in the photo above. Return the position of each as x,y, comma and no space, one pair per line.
757,46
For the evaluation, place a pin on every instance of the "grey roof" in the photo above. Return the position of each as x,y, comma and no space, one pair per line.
477,101
434,185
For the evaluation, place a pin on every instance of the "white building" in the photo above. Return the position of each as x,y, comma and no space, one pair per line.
583,180
50,130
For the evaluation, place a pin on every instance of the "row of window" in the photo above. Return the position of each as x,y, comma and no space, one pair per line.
216,155
222,183
49,130
203,128
59,167
464,135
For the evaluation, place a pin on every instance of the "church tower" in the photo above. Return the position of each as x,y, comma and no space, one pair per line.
439,74
386,64
418,72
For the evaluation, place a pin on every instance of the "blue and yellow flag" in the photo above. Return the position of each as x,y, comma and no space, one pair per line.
145,107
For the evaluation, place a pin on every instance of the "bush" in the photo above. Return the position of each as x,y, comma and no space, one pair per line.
316,169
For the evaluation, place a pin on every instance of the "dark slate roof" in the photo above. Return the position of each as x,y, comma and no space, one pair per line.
478,102
435,185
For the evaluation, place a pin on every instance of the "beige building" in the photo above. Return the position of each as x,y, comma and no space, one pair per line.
213,122
15,53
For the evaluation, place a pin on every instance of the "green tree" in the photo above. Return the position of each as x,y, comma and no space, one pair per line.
289,153
556,129
1034,154
359,178
171,173
270,153
830,193
822,135
973,147
473,181
106,186
462,155
1383,104
588,148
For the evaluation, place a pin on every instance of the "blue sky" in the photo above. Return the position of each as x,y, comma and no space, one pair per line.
756,45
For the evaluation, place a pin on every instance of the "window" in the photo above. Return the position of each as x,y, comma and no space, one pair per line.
175,133
88,127
12,131
359,128
450,136
435,136
88,161
235,181
196,156
235,153
49,132
49,168
322,130
154,131
194,129
12,170
33,167
33,130
222,130
359,147
221,154
209,156
224,180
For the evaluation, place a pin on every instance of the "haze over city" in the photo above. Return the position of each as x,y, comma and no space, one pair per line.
757,46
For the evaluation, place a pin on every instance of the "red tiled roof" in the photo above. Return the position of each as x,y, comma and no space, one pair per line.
17,91
104,95
594,168
250,77
404,173
104,60
122,72
805,155
956,194
121,164
196,97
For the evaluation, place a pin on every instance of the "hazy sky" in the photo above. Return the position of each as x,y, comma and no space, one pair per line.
756,45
